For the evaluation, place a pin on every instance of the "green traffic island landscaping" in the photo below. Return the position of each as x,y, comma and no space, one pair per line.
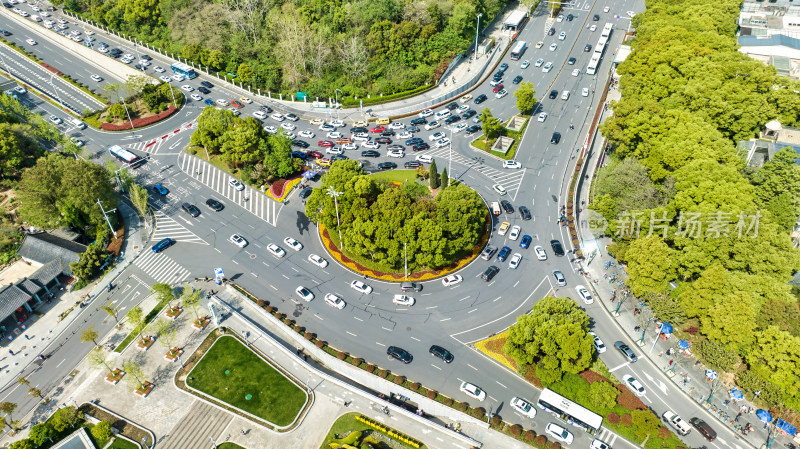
354,430
485,144
226,372
152,104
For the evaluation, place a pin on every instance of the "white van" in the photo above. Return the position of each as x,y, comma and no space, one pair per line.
77,123
36,18
443,114
495,208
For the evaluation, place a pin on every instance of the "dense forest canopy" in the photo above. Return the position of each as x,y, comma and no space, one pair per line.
359,46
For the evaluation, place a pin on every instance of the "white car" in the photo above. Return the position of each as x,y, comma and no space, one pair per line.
501,94
236,184
599,346
177,77
350,146
542,117
523,406
306,134
606,9
562,36
514,233
593,28
187,88
453,279
326,128
196,97
472,391
425,158
405,135
547,67
317,260
443,143
304,293
294,244
560,18
288,116
278,117
62,21
426,113
437,136
634,385
55,120
271,129
540,252
165,79
576,72
76,141
334,135
96,78
515,260
511,164
443,114
159,69
403,300
221,102
396,153
361,287
371,145
539,62
460,127
143,62
276,250
334,150
499,189
585,91
261,115
288,126
597,444
361,136
494,83
397,125
235,111
432,125
31,42
238,240
337,123
90,33
583,292
334,301
525,64
463,108
559,433
553,46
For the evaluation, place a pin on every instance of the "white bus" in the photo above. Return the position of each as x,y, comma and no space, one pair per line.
607,29
569,411
126,156
591,69
518,50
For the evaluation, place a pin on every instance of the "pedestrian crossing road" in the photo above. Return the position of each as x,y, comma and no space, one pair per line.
509,179
250,199
161,268
169,227
169,143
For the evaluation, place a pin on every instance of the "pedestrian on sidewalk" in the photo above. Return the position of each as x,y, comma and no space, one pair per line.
11,352
637,328
739,415
243,432
671,362
27,337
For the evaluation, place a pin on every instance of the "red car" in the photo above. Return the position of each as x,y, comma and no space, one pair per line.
314,154
497,88
325,143
378,129
237,104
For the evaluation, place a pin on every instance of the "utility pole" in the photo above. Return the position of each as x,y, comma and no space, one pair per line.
105,215
126,112
405,254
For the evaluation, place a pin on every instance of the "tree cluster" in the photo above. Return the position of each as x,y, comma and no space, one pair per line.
23,135
383,223
705,219
358,46
245,146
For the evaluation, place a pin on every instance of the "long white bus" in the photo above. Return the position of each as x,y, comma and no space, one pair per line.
572,413
607,29
594,62
126,156
518,50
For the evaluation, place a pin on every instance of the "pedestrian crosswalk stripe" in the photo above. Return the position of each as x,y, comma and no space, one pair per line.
162,268
168,227
509,179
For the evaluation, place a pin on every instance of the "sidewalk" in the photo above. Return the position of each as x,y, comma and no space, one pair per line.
634,317
42,333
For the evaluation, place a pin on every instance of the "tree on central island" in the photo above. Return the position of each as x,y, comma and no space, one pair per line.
382,222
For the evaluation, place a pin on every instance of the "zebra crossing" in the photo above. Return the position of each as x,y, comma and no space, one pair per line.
607,436
255,202
168,227
509,179
161,268
155,145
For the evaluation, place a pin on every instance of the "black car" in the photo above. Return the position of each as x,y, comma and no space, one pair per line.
553,94
444,354
387,133
6,4
412,129
524,213
146,57
556,138
412,164
588,47
206,84
305,193
516,79
480,99
507,206
558,250
191,209
339,157
300,155
399,354
489,273
596,17
421,146
452,119
503,254
384,140
626,351
414,141
387,166
570,17
473,129
468,114
300,143
6,33
370,153
551,32
358,129
138,67
571,61
419,121
214,204
497,77
204,90
452,106
266,109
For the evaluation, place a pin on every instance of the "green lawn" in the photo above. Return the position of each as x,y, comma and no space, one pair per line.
119,443
396,175
229,446
229,371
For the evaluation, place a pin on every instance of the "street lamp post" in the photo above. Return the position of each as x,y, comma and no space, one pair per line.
337,91
333,193
127,113
174,103
477,30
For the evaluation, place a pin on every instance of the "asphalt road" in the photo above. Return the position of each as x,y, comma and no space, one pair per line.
451,317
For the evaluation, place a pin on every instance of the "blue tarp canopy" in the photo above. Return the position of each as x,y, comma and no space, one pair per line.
666,328
309,174
764,415
683,344
711,374
785,427
736,394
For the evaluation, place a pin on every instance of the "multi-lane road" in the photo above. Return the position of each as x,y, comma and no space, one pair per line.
450,317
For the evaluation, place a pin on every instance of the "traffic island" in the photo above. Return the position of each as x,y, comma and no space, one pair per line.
504,144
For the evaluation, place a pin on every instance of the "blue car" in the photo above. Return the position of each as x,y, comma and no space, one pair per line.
209,102
299,154
158,188
503,254
162,245
525,242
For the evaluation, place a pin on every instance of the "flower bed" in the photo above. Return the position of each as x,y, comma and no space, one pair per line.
139,122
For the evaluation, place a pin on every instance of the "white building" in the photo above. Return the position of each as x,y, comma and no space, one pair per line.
770,33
